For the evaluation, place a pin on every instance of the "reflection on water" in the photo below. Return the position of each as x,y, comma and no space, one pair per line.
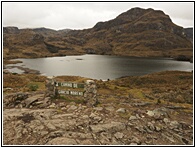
102,66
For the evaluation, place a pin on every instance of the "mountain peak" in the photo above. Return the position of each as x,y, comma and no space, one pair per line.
135,15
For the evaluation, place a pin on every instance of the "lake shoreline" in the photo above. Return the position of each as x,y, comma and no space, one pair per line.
178,58
96,66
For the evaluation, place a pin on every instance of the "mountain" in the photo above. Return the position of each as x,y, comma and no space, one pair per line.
189,33
137,32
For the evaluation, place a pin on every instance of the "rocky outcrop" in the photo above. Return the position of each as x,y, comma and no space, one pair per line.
61,123
11,30
189,33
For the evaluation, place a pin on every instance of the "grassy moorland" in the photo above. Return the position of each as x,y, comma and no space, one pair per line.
162,87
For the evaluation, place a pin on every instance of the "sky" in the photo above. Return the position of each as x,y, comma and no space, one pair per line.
83,15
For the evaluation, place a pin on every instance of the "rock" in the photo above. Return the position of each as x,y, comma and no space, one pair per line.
135,140
72,108
62,141
174,125
95,118
90,90
133,144
62,116
29,101
92,115
151,126
147,129
137,116
166,121
55,134
24,131
140,128
109,108
121,110
98,108
132,118
87,142
158,113
182,139
62,104
168,137
105,138
53,105
112,127
13,99
76,135
43,133
150,113
115,142
50,126
142,104
85,117
45,102
118,135
8,88
157,128
36,125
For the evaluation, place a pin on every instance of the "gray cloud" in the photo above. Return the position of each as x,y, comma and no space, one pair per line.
80,15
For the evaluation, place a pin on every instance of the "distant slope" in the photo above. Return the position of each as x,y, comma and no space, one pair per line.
137,32
189,33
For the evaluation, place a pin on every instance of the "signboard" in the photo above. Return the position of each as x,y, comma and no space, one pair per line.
69,84
71,92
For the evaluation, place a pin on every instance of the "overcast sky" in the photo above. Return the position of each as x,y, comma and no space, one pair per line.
81,15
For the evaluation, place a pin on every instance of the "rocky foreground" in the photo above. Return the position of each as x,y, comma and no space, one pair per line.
125,115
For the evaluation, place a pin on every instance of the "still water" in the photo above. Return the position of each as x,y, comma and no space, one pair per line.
102,66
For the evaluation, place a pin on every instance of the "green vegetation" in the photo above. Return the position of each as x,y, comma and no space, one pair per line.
33,87
157,88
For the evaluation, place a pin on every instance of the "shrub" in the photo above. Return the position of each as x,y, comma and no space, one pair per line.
33,87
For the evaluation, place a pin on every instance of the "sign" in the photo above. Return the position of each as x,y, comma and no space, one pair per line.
63,92
71,92
69,84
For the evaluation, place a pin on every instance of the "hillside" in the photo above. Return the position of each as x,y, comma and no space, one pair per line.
137,32
154,109
189,33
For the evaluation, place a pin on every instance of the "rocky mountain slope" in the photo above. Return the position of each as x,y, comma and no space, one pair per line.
137,32
189,33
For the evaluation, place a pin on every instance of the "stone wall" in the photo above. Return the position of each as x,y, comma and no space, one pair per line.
90,93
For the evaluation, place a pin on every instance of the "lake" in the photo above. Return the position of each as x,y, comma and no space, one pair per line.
101,66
